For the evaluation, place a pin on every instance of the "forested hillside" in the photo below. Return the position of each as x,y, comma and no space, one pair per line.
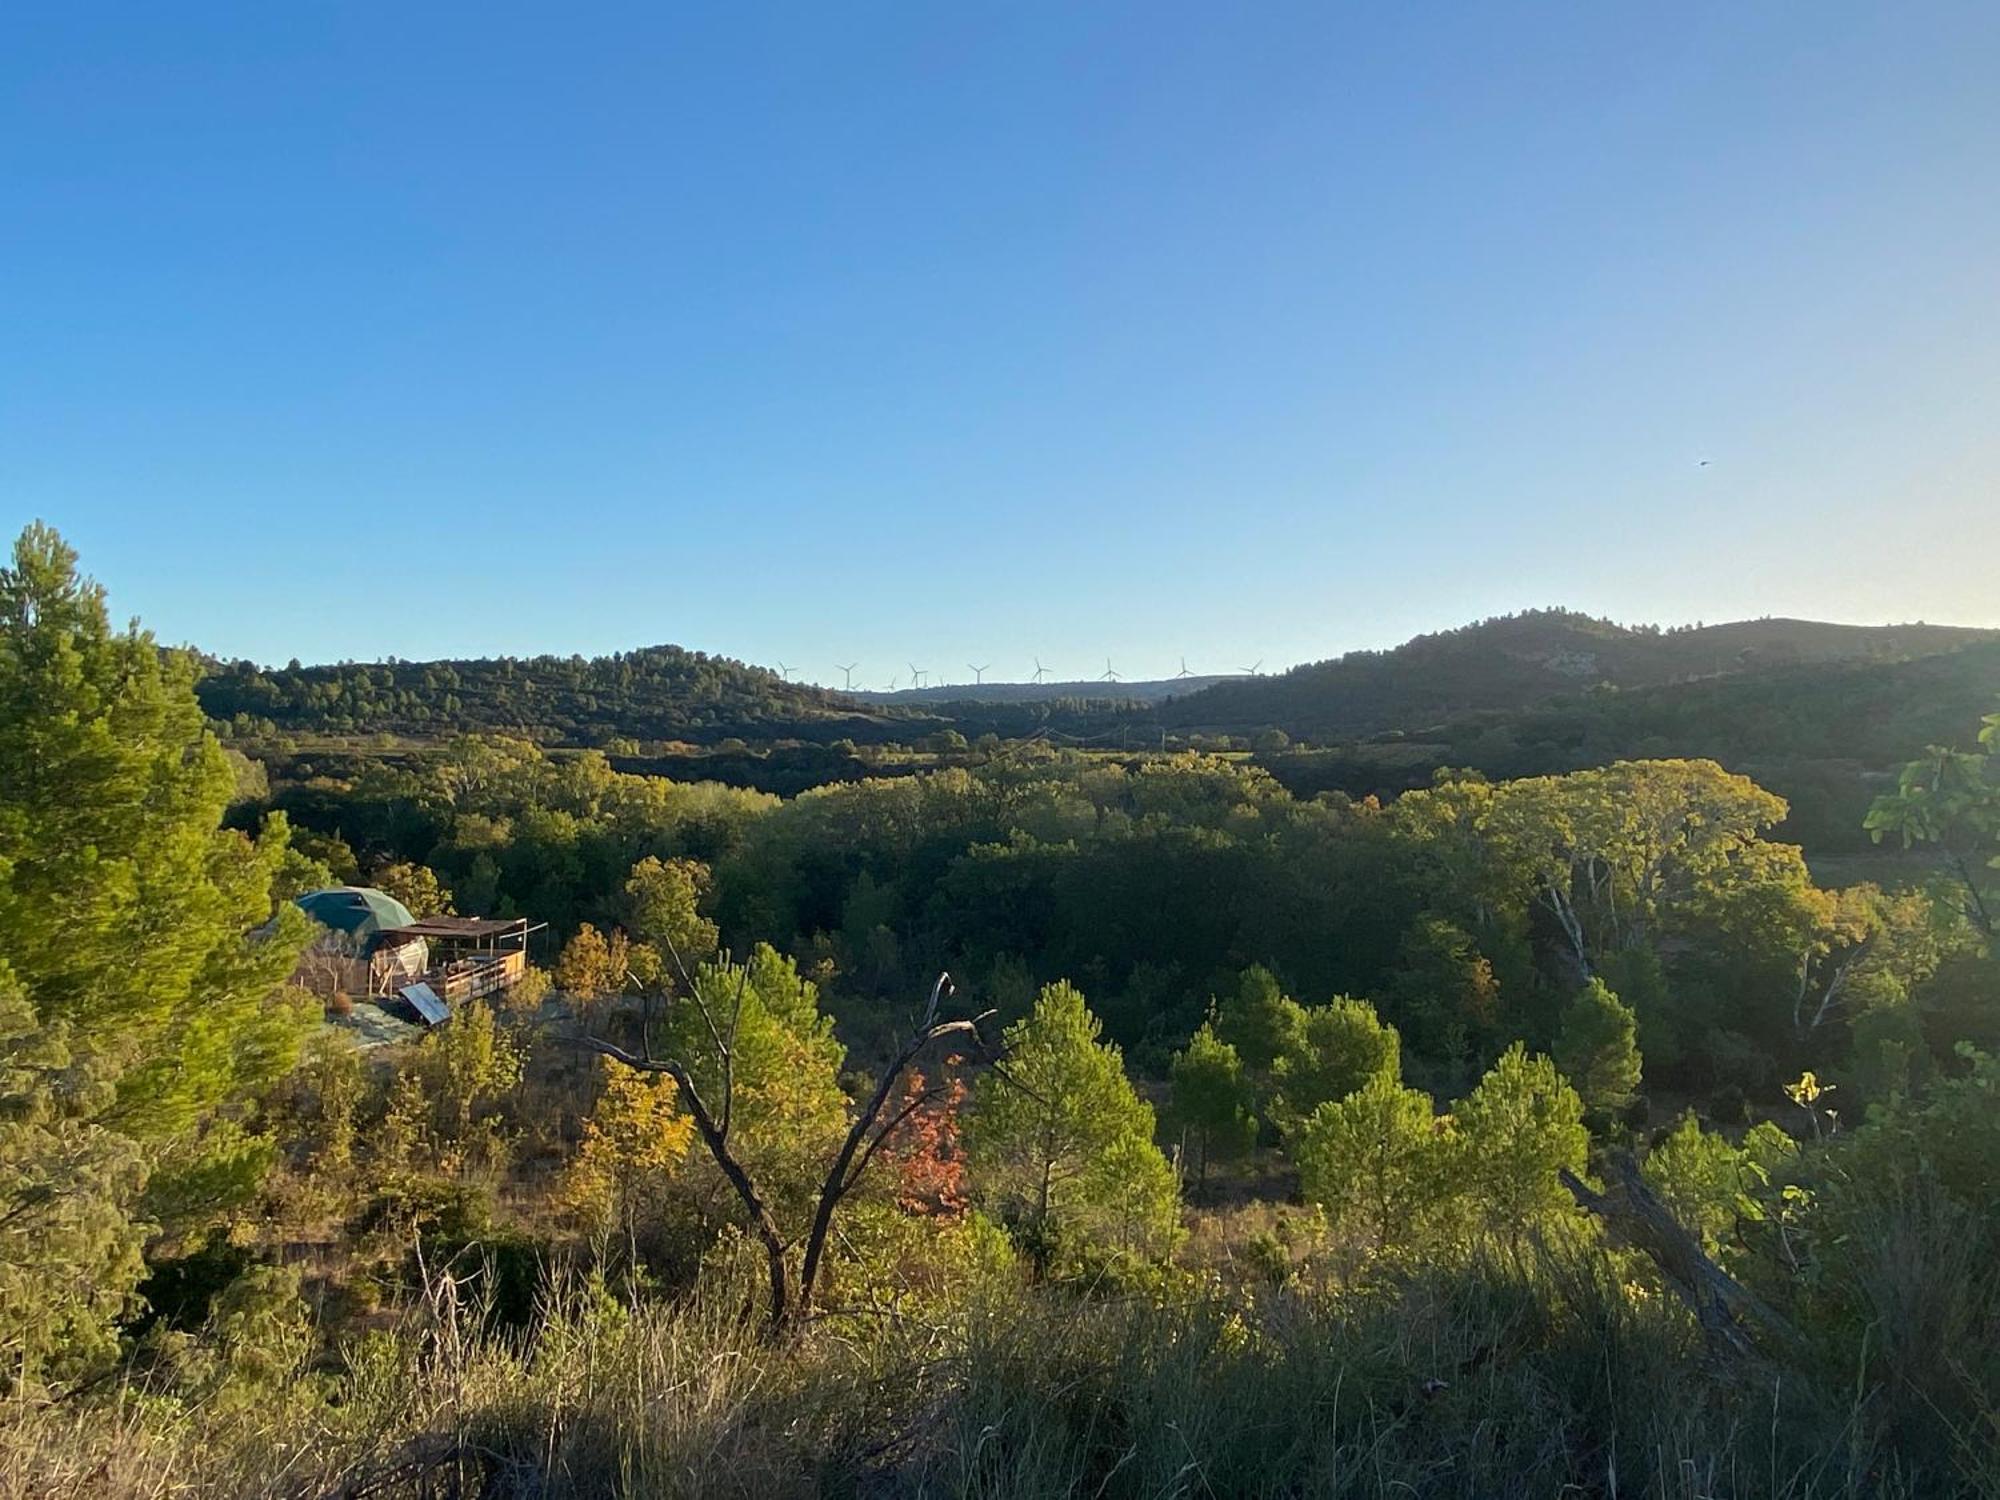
1827,735
1045,1123
659,692
1519,661
1821,713
1486,679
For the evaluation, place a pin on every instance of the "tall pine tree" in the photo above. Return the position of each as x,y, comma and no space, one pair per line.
1598,1048
1212,1099
1064,1146
143,961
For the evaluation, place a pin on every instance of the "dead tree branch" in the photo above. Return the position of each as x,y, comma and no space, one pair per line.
865,1136
1723,1306
846,1172
715,1136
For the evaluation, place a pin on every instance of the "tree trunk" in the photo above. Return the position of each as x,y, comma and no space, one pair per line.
1721,1304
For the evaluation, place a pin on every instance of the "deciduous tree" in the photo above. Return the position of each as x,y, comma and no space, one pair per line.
592,965
1949,801
416,886
756,1067
662,910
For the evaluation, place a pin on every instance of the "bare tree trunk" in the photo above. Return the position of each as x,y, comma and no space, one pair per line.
845,1172
715,1137
863,1140
1564,910
759,1212
1721,1304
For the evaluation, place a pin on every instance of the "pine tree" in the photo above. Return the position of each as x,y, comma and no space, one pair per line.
69,1240
1517,1131
1703,1179
1598,1050
789,1111
1377,1161
1041,1133
1212,1099
1341,1047
145,955
1260,1021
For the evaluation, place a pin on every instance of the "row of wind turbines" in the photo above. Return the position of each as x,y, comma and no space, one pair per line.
1040,675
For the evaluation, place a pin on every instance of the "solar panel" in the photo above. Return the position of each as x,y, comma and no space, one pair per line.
424,1001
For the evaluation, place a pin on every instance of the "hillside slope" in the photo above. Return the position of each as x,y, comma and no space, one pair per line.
1518,661
1440,691
658,692
1825,735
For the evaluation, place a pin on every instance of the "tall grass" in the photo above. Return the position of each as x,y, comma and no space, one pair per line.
1528,1374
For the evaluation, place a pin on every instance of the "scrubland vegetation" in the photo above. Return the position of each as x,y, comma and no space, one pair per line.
1512,1138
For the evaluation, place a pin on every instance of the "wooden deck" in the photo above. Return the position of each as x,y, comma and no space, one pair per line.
477,976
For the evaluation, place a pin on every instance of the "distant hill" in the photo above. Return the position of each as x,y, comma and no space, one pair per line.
1826,735
1518,661
1517,695
656,693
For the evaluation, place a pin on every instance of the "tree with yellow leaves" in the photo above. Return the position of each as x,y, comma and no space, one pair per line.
634,1140
593,965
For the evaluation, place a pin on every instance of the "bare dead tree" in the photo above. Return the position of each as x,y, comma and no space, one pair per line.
713,1122
865,1136
328,966
1726,1309
1836,976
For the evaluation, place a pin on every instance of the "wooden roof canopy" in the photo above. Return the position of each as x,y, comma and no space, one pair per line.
461,929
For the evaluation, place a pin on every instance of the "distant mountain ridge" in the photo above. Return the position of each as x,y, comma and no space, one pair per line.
662,693
1825,735
1518,661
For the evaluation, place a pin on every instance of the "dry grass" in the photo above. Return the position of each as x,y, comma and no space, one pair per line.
1525,1376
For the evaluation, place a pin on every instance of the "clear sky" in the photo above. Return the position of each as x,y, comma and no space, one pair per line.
968,332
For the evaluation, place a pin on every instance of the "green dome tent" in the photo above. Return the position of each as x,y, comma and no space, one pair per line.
357,911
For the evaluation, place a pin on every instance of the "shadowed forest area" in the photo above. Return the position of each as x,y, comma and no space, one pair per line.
1275,1099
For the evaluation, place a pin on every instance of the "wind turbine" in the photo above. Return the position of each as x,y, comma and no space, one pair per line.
848,671
784,671
1110,673
1257,670
892,685
1040,671
1184,672
978,674
916,676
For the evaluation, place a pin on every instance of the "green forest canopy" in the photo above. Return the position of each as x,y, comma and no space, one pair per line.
1405,1043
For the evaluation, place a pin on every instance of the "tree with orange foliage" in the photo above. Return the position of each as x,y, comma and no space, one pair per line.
924,1152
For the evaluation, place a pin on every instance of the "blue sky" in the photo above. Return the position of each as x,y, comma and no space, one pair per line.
968,333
